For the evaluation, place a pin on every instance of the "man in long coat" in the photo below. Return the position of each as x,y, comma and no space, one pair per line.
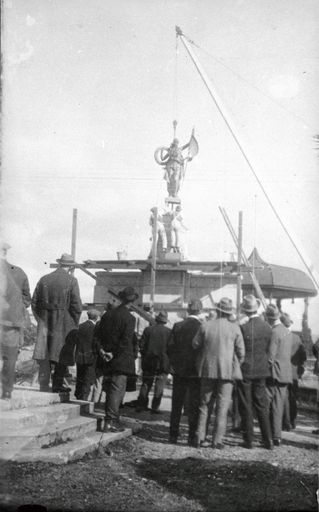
281,371
119,343
221,351
252,391
57,307
186,382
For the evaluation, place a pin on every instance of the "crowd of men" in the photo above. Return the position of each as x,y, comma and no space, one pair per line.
214,360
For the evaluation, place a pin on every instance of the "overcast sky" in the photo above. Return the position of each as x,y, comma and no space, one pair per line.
90,90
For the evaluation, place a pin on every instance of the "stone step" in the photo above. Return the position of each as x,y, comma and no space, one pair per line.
32,416
14,440
24,398
67,452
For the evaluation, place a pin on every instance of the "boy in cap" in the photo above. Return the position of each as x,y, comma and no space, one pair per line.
85,356
281,373
155,363
185,379
252,393
219,343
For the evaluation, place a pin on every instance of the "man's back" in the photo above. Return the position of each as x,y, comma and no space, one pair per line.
257,334
84,349
181,352
280,353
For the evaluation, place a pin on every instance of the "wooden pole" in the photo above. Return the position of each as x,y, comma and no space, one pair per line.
239,259
73,241
154,254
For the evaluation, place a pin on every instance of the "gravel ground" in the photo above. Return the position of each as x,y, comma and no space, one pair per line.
145,473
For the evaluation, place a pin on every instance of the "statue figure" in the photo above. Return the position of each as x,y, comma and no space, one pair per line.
160,226
175,163
176,227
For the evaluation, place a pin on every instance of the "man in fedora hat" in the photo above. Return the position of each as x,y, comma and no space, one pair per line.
57,307
220,348
118,340
281,373
155,363
185,380
252,393
298,358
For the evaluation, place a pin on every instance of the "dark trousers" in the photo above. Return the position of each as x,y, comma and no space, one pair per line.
85,378
9,357
252,394
181,387
147,383
46,367
115,392
290,405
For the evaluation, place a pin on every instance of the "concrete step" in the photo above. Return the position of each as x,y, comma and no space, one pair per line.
25,398
37,436
67,452
53,413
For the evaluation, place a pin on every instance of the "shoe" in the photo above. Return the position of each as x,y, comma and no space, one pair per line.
286,428
218,446
293,425
269,445
277,442
112,427
156,411
172,440
45,389
205,444
193,441
62,389
247,445
140,409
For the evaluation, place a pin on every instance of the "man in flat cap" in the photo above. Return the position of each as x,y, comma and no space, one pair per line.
57,307
186,383
86,355
119,343
155,363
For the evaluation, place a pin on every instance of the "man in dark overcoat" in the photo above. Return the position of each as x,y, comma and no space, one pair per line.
186,382
252,391
57,307
155,363
85,356
119,343
281,372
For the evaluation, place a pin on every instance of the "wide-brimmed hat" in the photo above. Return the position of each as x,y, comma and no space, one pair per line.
194,306
225,305
286,320
272,312
250,304
66,259
161,317
128,294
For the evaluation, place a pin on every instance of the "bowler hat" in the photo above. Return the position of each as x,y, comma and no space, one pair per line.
66,259
225,305
128,294
250,304
161,317
195,305
272,312
286,320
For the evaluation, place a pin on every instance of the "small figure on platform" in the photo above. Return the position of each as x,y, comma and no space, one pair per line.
176,227
160,226
175,163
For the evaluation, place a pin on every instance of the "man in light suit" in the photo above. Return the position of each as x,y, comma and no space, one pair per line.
252,391
281,371
57,307
221,351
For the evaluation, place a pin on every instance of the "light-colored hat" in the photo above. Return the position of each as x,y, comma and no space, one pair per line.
286,320
4,246
225,305
250,304
195,306
128,294
161,317
93,313
272,312
66,259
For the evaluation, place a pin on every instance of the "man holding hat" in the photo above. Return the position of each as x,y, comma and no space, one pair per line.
155,363
252,393
221,347
281,373
185,379
118,340
85,355
57,307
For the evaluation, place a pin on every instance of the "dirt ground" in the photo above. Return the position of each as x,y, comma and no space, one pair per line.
146,473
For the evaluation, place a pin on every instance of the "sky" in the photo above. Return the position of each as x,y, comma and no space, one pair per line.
90,90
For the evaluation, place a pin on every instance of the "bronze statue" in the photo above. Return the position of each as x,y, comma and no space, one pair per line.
175,163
